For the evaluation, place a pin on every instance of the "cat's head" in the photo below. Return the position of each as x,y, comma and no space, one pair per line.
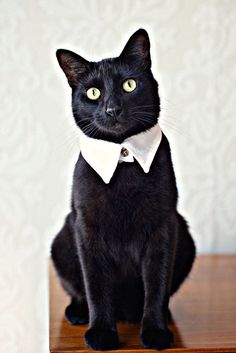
114,98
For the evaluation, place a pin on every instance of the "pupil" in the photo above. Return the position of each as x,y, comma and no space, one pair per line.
129,83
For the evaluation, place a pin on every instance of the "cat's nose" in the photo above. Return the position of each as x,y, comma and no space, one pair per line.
114,112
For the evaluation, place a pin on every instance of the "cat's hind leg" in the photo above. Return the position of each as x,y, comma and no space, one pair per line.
66,262
76,312
185,255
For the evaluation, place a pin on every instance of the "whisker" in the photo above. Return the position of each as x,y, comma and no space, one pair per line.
144,113
143,106
168,126
142,116
142,119
93,132
88,128
172,127
172,119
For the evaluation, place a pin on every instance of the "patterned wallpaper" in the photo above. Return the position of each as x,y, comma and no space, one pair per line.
194,59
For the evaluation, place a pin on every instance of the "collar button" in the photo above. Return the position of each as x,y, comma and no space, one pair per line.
124,152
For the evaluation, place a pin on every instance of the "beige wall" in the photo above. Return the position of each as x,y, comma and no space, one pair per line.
194,59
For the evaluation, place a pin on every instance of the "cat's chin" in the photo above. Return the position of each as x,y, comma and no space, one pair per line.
116,132
113,132
117,128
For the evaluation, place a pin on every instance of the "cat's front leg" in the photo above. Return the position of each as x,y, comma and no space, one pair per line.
98,279
157,268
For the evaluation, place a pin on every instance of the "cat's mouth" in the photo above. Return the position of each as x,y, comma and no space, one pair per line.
112,127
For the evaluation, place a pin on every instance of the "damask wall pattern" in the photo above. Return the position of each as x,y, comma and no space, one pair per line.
194,60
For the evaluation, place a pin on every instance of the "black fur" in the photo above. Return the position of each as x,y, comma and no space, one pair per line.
124,248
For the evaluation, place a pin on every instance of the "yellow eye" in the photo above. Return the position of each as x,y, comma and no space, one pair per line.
129,85
93,93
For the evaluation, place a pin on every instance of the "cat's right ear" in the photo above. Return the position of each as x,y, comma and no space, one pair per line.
72,64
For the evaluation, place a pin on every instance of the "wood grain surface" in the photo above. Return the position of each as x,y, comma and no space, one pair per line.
204,313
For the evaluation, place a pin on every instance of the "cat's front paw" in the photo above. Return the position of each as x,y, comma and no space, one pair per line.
153,338
101,339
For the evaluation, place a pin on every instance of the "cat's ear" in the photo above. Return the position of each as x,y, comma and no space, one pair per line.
137,48
72,64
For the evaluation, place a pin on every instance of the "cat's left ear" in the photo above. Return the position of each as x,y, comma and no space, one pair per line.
138,48
72,64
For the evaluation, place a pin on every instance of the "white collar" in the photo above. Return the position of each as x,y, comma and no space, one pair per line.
103,156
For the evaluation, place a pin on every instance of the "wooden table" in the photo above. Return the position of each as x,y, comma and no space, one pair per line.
204,313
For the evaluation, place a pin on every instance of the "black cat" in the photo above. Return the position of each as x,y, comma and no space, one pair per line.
124,249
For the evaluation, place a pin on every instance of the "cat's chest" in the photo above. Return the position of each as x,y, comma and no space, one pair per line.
131,196
119,210
127,182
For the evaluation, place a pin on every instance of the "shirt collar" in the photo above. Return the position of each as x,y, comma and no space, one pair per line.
103,156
